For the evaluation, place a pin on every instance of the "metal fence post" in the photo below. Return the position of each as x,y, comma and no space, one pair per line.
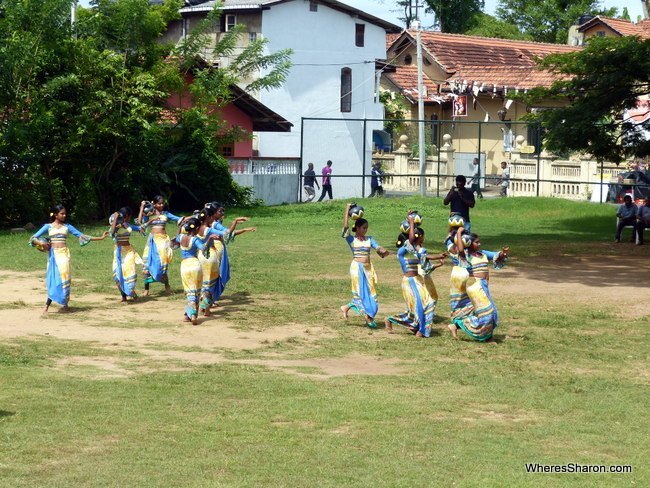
363,164
302,140
539,155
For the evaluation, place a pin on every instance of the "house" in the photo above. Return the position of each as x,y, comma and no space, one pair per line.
600,26
335,50
243,112
468,80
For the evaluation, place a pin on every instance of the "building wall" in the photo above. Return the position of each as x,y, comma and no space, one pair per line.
594,31
323,43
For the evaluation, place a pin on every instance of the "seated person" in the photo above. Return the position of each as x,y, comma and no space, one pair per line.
626,214
643,220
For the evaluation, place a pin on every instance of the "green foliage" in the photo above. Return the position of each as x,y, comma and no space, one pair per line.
548,20
455,16
488,26
600,82
395,111
81,108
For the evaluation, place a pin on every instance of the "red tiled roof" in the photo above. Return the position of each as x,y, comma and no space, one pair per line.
622,26
453,51
406,79
519,77
390,39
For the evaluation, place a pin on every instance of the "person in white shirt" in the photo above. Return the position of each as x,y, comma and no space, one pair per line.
504,181
476,178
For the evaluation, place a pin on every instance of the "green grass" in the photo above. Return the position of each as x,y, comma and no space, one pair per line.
563,384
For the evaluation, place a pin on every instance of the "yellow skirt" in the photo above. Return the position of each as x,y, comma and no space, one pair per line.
156,257
210,268
192,277
363,286
125,262
58,276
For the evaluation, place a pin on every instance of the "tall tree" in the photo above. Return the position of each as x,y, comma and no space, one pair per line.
548,20
601,82
488,26
455,16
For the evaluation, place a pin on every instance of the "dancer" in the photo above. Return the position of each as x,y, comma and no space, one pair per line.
125,258
58,276
225,235
459,301
191,273
157,252
362,272
211,259
479,324
420,305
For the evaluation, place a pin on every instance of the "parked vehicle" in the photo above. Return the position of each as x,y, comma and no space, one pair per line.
635,183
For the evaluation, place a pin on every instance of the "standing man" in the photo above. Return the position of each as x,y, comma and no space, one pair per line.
326,181
504,181
476,178
461,200
643,220
308,183
376,180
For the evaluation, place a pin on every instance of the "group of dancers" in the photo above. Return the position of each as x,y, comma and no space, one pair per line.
472,308
202,238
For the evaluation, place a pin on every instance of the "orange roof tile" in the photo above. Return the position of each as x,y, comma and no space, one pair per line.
391,38
406,79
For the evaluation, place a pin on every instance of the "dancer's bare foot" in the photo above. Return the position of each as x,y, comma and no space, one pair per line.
123,300
64,309
389,326
145,293
345,309
168,290
186,318
453,329
419,334
206,312
46,309
195,320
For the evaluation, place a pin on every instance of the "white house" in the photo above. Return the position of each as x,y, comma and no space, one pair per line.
335,50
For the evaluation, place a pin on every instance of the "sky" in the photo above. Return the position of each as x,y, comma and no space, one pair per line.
385,9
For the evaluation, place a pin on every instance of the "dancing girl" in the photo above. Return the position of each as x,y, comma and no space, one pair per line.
158,252
51,238
125,257
362,272
484,318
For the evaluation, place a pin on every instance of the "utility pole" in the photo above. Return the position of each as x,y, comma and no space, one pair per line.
73,13
421,94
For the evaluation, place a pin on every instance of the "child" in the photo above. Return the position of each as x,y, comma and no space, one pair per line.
125,257
420,305
362,273
58,277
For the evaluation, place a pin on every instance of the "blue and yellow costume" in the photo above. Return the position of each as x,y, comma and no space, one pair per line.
191,274
125,259
157,253
484,318
58,277
216,268
419,303
460,304
363,276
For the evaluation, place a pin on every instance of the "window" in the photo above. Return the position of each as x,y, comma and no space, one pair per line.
346,90
231,21
227,151
360,30
600,33
252,36
313,7
408,59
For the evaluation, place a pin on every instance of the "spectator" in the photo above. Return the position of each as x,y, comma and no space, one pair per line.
461,200
326,181
504,181
626,214
376,180
476,178
643,220
308,183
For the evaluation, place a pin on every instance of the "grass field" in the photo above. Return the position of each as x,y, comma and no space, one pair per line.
313,400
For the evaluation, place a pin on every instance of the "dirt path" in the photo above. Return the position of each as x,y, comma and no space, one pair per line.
153,326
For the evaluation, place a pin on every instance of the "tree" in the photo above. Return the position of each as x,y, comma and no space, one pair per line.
83,112
601,82
455,16
548,20
409,10
488,26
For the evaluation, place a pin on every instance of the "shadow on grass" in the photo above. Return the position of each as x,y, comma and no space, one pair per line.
6,413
